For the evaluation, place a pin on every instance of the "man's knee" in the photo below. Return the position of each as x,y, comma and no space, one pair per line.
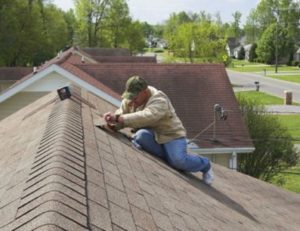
142,135
178,163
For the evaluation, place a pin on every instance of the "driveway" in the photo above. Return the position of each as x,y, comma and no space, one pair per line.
268,85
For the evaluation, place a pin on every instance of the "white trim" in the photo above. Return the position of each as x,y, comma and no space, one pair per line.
55,68
85,57
233,161
222,150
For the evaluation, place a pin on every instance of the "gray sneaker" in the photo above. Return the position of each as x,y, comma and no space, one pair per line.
208,177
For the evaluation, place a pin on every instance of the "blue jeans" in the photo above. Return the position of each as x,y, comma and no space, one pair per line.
174,152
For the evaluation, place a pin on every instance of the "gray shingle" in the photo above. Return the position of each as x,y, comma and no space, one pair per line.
94,180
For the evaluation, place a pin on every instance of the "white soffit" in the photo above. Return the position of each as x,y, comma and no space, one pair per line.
64,73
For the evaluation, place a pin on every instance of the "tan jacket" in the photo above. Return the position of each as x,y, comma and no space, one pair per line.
158,114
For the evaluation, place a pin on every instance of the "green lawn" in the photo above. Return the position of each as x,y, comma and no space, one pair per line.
290,78
245,66
260,97
292,122
289,179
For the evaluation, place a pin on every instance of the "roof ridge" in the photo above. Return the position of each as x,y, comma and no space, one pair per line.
56,182
151,64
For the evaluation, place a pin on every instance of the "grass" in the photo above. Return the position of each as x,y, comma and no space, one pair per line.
261,98
290,78
292,122
245,66
289,179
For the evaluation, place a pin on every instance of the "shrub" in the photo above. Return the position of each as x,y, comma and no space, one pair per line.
274,150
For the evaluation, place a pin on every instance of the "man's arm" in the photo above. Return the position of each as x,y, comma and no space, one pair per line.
146,117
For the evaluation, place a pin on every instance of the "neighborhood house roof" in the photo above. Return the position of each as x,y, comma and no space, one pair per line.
93,51
58,171
13,73
194,90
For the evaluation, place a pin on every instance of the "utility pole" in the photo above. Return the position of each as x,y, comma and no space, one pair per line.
276,41
276,44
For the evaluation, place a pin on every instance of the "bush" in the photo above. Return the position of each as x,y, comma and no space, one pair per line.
274,150
295,63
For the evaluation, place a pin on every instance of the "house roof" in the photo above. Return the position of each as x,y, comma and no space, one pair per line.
65,60
60,172
233,42
125,59
194,89
96,51
14,73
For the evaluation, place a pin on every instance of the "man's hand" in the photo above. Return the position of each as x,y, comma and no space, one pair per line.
109,117
114,122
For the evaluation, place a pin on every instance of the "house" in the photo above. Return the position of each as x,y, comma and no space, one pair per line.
232,44
196,90
297,55
49,76
9,75
247,48
59,171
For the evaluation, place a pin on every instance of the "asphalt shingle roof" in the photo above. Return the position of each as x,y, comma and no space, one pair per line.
14,73
58,171
194,89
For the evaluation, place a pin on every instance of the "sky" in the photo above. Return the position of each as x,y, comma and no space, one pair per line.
157,11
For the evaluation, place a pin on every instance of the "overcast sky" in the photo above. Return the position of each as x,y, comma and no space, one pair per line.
157,11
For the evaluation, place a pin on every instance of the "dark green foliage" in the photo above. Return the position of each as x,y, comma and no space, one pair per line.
30,32
274,149
252,53
241,53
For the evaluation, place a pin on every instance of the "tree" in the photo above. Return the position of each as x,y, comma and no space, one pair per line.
134,37
252,53
234,30
195,37
241,53
267,12
30,32
116,22
274,149
71,24
90,15
274,36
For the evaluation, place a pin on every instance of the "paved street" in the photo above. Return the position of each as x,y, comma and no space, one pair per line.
268,85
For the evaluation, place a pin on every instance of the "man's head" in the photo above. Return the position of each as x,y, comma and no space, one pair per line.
134,86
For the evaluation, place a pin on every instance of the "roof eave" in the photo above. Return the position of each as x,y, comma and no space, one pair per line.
55,68
237,150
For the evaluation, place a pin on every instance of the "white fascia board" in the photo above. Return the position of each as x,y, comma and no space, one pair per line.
85,57
19,87
222,150
55,68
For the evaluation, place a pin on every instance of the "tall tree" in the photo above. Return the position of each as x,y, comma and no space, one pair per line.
30,32
90,16
275,37
235,30
117,21
284,12
134,37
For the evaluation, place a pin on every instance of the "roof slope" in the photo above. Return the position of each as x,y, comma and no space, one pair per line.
101,51
60,172
194,89
14,73
125,59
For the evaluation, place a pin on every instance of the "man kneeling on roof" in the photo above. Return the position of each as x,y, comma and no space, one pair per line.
159,130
